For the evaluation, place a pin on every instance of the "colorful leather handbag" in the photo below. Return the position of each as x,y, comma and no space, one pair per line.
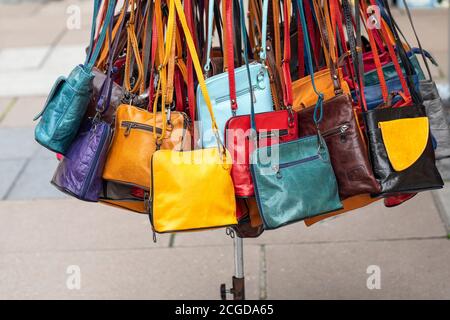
302,165
139,133
439,126
230,89
399,138
79,173
272,127
68,100
345,144
175,175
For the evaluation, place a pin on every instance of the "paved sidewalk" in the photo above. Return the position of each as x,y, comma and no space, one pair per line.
44,233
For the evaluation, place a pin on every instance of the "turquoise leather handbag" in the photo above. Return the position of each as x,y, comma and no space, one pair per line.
69,98
230,89
295,180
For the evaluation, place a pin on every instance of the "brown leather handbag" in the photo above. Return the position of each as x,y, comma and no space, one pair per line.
347,150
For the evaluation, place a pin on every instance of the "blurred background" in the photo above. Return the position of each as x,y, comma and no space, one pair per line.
46,239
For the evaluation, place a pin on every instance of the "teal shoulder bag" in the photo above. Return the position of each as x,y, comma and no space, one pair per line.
295,180
68,100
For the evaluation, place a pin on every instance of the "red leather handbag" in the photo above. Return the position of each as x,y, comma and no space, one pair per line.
272,128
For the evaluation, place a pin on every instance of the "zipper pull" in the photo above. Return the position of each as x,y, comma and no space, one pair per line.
343,129
128,130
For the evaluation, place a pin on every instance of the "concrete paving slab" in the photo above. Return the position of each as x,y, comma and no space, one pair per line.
5,104
431,27
13,59
72,225
23,34
38,82
17,143
9,170
23,112
34,181
43,153
189,273
417,218
409,270
442,198
76,37
18,10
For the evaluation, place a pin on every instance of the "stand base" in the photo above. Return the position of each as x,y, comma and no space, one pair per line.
238,290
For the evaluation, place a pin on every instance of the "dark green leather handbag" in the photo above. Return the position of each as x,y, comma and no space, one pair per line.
295,180
69,98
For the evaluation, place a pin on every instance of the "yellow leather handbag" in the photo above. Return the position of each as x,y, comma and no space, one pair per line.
192,190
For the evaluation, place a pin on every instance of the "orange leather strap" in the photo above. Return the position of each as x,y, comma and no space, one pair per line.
132,46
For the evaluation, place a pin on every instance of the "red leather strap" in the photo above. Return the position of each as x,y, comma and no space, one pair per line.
287,94
179,93
230,52
300,50
313,33
393,56
189,63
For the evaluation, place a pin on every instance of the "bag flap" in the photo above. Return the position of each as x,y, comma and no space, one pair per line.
405,140
54,90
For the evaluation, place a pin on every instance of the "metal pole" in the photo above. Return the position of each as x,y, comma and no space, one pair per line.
238,290
238,257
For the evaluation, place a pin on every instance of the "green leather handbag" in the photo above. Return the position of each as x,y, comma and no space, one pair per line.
295,180
68,100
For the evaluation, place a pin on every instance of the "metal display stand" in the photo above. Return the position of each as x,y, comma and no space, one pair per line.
238,280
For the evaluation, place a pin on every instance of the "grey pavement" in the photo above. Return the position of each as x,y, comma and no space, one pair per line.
43,233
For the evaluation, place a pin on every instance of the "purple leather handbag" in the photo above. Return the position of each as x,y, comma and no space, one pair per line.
79,173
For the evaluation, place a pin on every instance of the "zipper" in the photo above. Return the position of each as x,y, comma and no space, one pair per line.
272,133
238,94
92,169
134,125
341,130
296,162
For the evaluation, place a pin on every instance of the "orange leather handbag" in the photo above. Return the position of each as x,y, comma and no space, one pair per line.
139,133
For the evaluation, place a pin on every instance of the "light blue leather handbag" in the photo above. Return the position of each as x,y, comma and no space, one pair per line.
295,180
222,89
69,98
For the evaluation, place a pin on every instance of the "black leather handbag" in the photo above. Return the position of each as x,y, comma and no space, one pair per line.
419,176
400,143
